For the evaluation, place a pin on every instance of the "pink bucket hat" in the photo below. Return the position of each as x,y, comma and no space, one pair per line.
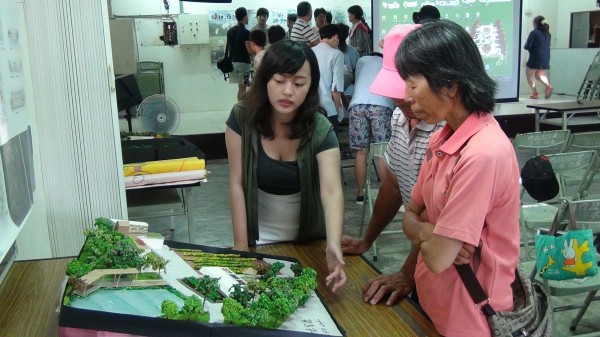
388,82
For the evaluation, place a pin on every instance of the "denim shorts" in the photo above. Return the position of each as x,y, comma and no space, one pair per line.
237,75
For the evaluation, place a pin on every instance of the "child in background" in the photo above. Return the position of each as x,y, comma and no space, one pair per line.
258,39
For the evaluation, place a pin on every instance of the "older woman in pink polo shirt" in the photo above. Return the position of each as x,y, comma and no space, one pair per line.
468,184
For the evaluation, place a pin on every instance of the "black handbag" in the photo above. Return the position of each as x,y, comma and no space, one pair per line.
531,315
224,63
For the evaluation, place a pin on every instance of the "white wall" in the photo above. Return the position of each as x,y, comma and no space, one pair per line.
34,240
567,65
194,83
190,78
74,128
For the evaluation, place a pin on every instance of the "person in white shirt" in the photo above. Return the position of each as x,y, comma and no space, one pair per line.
331,65
258,39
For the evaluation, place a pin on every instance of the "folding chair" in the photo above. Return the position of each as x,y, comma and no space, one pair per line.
150,78
585,214
590,86
542,142
376,151
573,171
582,141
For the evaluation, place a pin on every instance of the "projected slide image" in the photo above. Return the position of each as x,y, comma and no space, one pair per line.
493,25
489,22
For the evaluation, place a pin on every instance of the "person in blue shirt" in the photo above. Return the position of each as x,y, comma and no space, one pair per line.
538,45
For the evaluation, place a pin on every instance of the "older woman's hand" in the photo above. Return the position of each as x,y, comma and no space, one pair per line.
464,255
335,264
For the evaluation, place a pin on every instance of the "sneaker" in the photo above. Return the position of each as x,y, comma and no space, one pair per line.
535,95
360,200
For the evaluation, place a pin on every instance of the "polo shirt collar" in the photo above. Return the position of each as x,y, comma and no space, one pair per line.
422,125
457,140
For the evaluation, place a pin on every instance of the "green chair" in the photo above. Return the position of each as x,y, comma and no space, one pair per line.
573,171
582,141
532,144
585,214
150,76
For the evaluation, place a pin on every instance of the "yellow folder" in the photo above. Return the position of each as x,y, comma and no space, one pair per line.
164,166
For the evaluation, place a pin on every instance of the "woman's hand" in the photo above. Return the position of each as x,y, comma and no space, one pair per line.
464,255
335,264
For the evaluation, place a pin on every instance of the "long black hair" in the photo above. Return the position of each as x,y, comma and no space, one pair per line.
539,23
358,13
446,55
284,57
344,32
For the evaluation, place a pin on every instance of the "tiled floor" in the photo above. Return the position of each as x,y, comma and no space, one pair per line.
211,219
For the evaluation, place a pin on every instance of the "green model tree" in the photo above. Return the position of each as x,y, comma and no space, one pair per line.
155,261
206,285
268,302
192,310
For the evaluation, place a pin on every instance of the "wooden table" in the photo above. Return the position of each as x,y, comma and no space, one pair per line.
31,292
568,111
29,298
356,317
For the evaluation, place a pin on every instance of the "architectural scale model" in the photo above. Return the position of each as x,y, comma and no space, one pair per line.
123,269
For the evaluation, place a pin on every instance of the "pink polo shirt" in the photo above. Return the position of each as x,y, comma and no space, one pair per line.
469,183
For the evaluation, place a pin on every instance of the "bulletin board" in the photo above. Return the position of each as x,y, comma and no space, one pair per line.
17,180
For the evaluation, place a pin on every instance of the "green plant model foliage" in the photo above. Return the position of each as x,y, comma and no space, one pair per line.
275,268
104,223
192,310
207,286
106,248
156,261
269,301
203,259
296,268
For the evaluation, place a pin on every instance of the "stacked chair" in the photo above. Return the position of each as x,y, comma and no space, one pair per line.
590,86
586,141
573,171
574,160
585,214
528,145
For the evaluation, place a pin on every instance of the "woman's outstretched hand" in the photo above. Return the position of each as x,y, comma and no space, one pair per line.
335,264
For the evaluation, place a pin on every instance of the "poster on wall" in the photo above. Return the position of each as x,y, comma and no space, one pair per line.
17,181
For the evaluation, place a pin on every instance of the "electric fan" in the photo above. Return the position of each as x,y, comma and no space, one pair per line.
159,114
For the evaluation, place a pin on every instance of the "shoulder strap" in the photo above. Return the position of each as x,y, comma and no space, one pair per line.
480,298
227,46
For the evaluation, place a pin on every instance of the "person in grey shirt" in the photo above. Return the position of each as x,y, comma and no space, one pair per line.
262,15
